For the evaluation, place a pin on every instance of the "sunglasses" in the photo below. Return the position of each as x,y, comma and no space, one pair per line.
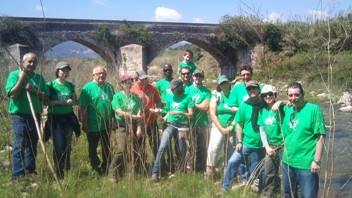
251,88
166,70
225,82
268,94
198,76
185,73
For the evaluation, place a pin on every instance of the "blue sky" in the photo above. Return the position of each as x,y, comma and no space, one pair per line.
197,11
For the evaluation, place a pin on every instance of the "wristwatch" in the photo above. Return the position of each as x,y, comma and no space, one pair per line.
317,162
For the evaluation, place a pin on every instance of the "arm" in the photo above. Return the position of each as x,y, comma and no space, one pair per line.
203,106
270,151
83,117
125,114
239,134
319,147
16,90
234,109
213,111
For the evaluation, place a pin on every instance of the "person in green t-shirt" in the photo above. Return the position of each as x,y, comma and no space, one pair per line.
61,118
180,111
162,87
186,77
200,136
221,134
249,142
304,131
20,84
128,113
187,61
269,122
96,116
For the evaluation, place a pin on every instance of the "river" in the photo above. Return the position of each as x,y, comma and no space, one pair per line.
336,172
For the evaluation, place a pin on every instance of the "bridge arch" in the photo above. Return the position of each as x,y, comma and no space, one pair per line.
104,52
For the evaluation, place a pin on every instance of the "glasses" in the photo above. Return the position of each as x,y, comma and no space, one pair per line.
271,94
100,74
198,76
251,88
185,73
246,74
166,70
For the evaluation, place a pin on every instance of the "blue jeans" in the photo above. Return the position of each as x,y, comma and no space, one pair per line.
304,178
62,139
25,143
168,133
235,161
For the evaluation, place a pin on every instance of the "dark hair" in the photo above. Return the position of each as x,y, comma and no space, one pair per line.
188,52
57,73
295,85
218,89
167,65
247,68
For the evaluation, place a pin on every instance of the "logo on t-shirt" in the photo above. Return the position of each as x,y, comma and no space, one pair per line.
175,105
269,121
104,96
168,90
294,123
195,98
62,96
245,98
226,106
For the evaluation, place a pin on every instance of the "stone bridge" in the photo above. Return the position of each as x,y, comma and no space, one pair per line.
162,35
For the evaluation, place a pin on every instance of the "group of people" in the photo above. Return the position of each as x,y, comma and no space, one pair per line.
254,128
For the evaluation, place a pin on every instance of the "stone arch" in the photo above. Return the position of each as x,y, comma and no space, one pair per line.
104,52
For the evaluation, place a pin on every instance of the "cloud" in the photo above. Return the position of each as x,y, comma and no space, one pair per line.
274,17
100,2
197,20
38,8
317,15
167,14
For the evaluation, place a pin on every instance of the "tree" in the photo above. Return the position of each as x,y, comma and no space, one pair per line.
272,37
12,32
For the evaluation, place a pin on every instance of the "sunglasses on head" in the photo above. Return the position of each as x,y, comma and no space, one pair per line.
268,94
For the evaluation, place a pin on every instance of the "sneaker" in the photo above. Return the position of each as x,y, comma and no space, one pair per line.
255,186
238,186
155,178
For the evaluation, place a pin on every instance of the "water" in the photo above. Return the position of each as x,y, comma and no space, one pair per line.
336,169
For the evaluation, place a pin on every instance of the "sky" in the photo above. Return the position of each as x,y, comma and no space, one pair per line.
190,11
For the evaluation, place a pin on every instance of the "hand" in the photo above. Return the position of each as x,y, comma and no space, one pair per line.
239,147
276,106
270,151
314,167
139,133
69,101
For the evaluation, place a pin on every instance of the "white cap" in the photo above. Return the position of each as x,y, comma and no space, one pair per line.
268,88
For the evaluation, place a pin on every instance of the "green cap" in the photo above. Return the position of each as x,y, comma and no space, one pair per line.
221,79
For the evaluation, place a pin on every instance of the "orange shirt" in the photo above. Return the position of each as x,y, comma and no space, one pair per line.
149,96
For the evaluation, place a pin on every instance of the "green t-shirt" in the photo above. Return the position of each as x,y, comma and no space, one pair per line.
187,87
271,121
130,104
97,99
198,95
21,104
178,103
301,130
163,88
251,137
239,94
60,92
190,64
224,113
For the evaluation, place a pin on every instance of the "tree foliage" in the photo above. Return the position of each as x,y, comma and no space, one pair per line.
12,32
125,35
272,37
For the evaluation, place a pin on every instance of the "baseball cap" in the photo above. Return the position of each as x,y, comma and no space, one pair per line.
252,83
222,78
141,74
198,71
62,65
175,83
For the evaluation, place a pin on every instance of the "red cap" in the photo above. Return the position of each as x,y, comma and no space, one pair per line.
125,77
